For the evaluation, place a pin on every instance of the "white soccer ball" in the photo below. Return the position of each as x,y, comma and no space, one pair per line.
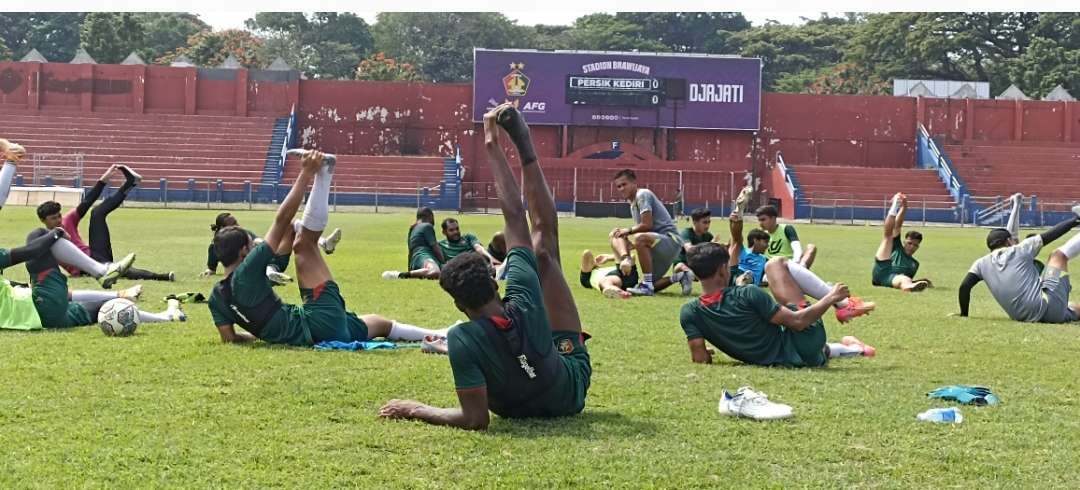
118,318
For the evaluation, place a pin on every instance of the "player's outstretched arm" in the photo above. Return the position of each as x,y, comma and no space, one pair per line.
970,280
516,228
473,414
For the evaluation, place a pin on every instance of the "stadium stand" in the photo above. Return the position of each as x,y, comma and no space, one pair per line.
173,147
1048,170
872,186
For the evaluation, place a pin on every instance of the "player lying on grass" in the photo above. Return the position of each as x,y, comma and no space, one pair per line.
522,355
54,243
58,307
100,248
749,326
783,240
455,243
894,262
653,236
245,298
751,260
424,252
275,272
1010,273
609,280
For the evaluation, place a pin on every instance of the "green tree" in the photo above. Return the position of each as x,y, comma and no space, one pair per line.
110,36
324,44
382,68
1045,64
441,44
610,33
690,32
164,32
209,49
54,34
794,56
943,45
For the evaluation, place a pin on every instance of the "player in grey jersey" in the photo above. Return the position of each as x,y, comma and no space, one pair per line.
1010,273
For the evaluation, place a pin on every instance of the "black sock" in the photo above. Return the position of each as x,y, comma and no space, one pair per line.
511,121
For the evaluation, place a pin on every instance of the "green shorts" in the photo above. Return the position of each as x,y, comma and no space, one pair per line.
50,294
805,348
324,315
420,257
883,275
575,357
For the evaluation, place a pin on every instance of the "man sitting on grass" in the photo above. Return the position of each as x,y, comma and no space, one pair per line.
522,355
1010,272
245,297
424,252
894,263
783,239
749,326
456,243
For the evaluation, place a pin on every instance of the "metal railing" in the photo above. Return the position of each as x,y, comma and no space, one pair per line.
290,134
935,159
849,210
787,176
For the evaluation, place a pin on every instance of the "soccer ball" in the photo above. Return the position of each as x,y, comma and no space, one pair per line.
118,318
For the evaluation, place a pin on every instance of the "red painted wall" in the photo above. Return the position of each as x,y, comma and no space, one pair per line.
1002,120
62,87
839,130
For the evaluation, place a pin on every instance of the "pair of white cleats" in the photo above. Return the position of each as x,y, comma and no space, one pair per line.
327,243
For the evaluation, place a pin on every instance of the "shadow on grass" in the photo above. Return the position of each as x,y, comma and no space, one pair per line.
590,424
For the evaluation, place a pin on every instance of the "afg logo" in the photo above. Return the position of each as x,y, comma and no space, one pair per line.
516,83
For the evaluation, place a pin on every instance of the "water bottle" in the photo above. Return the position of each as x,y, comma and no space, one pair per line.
949,415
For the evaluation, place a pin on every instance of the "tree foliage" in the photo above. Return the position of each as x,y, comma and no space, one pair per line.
110,37
54,34
323,44
382,68
441,43
164,32
210,49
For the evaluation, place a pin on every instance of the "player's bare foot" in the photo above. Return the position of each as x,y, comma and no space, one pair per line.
434,345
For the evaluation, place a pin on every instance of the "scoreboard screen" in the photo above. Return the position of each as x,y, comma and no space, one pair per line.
615,91
606,88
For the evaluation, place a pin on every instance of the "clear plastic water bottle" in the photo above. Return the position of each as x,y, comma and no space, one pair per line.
949,415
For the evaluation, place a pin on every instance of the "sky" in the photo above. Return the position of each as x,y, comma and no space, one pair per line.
235,20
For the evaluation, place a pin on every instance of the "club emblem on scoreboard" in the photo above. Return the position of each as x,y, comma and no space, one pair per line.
516,83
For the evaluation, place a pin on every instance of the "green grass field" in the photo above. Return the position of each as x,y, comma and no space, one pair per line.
173,407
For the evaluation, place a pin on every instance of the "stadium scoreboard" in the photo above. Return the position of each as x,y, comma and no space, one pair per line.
615,91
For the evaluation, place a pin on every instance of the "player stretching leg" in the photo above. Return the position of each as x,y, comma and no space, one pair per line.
749,326
100,247
522,355
1010,273
245,298
894,263
60,308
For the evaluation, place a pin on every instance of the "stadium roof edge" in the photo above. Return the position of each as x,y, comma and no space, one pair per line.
619,53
